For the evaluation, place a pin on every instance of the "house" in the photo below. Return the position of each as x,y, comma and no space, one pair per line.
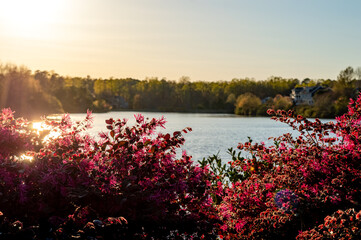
304,95
264,100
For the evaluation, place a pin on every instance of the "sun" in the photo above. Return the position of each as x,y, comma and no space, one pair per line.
30,18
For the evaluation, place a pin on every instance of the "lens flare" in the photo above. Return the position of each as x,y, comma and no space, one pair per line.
26,157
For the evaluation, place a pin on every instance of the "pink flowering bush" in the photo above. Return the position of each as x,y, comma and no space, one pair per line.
340,225
129,184
295,184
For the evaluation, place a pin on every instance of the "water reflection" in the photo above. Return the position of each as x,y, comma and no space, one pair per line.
47,131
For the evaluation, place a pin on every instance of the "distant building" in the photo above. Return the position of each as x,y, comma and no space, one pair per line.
304,95
264,100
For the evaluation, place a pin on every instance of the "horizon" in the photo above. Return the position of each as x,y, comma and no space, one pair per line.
203,40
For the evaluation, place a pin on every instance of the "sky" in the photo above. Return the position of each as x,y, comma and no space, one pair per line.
208,40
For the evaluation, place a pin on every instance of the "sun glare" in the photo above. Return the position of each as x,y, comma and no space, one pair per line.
38,126
30,18
26,157
41,126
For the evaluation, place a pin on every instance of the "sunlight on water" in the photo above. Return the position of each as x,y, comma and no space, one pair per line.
41,127
48,133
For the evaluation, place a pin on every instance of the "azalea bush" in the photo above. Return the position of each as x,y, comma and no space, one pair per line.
298,183
128,184
340,225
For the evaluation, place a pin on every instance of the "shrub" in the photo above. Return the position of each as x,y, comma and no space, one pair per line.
129,182
293,185
247,104
340,225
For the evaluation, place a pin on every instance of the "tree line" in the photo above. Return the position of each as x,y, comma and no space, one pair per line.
32,94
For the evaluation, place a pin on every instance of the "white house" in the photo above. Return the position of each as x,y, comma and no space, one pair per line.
304,95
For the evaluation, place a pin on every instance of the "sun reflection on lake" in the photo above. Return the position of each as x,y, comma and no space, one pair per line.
46,130
38,126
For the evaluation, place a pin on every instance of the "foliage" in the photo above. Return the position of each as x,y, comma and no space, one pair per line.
282,102
223,172
296,183
47,92
340,225
20,90
127,184
51,93
247,104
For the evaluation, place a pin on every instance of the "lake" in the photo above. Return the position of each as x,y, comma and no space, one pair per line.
212,133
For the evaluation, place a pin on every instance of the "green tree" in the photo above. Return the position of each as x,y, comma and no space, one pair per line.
138,102
324,105
346,76
344,89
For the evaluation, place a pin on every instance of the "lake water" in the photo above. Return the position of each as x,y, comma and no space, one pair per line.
212,133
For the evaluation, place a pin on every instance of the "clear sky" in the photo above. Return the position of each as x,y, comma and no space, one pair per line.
206,40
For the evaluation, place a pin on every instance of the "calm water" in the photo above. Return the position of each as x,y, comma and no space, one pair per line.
212,133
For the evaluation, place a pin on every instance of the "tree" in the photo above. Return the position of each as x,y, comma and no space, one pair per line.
138,102
247,104
325,105
282,102
344,86
346,76
357,73
22,92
